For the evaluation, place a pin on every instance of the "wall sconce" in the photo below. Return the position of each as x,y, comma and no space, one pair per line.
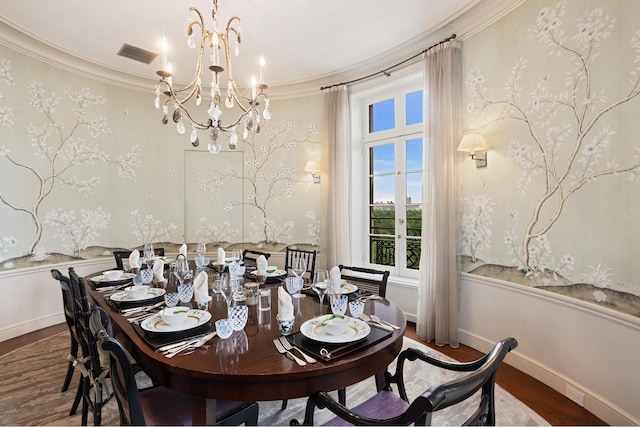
473,142
313,167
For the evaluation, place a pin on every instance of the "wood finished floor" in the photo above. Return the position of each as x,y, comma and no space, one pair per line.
551,405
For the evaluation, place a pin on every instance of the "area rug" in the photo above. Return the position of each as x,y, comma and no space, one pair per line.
31,377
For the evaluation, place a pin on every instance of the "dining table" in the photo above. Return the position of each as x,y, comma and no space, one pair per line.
247,366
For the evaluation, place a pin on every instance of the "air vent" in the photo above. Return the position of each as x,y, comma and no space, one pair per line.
137,54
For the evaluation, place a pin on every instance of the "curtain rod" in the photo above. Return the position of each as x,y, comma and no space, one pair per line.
387,71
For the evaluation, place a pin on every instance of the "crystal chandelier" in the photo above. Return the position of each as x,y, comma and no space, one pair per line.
218,42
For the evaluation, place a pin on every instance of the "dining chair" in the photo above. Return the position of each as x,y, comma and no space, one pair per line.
67,305
95,392
250,257
309,258
120,255
367,279
157,405
387,408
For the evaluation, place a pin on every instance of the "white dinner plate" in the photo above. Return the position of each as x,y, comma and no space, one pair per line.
195,318
276,273
102,279
347,288
356,330
123,296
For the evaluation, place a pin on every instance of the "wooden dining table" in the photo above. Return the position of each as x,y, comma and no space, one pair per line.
247,366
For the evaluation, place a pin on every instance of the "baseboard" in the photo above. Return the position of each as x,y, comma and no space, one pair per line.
597,405
30,326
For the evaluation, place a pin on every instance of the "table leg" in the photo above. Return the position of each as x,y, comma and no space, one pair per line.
203,411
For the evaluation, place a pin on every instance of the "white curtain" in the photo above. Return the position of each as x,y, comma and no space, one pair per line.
336,129
438,299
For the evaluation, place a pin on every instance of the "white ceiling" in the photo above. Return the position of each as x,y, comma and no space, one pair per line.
302,40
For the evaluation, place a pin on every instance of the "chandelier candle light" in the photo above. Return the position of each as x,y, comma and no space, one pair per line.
177,98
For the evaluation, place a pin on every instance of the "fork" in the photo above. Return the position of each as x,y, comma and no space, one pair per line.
288,346
286,352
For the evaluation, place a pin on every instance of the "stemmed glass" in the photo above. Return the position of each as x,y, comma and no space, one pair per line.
298,267
148,255
182,271
227,289
320,285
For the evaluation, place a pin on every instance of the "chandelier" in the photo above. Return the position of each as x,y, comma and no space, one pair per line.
218,43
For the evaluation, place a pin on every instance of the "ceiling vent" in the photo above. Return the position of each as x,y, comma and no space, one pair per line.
137,54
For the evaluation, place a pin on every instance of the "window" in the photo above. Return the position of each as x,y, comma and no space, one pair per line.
389,176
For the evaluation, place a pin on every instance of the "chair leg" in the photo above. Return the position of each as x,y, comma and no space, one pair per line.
342,396
76,401
70,368
284,405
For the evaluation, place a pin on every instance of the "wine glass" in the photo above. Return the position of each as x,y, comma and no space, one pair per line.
149,255
320,285
182,271
201,249
298,267
227,289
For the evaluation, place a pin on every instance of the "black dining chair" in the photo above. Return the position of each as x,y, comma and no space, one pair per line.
68,308
309,258
250,257
156,405
95,392
367,279
120,255
387,408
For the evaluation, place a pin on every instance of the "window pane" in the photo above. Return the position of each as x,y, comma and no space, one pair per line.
414,154
382,116
382,190
414,221
414,107
383,250
414,188
382,220
382,159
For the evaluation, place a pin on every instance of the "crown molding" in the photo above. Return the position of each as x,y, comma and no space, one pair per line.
475,17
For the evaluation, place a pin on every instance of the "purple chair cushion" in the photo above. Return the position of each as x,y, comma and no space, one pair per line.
383,405
162,406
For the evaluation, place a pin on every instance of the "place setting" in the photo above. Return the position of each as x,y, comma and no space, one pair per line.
110,280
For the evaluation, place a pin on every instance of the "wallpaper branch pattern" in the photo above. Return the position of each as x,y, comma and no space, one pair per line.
59,148
569,136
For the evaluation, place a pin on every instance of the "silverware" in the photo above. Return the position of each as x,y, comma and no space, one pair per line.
288,346
137,310
191,340
290,355
369,298
329,354
169,354
143,316
379,320
372,322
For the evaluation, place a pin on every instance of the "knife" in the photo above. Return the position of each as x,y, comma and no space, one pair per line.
191,340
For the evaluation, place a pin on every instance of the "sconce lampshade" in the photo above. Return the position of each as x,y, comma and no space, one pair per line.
312,166
473,142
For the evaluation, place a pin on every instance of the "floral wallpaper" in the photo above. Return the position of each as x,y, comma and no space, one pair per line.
555,207
87,168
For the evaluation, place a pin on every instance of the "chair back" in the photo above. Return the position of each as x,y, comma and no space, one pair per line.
367,279
309,258
481,379
67,298
120,255
121,371
250,257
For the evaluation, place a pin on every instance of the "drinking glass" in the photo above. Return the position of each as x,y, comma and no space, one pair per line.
298,267
338,304
320,285
238,316
182,271
226,288
201,249
236,254
294,286
171,299
148,254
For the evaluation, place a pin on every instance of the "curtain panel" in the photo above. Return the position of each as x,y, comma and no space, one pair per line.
438,301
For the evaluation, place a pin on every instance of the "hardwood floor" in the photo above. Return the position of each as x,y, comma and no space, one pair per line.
551,405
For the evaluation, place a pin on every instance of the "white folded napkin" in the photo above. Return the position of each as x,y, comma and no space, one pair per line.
201,287
134,259
334,281
183,250
158,270
221,256
285,305
261,265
